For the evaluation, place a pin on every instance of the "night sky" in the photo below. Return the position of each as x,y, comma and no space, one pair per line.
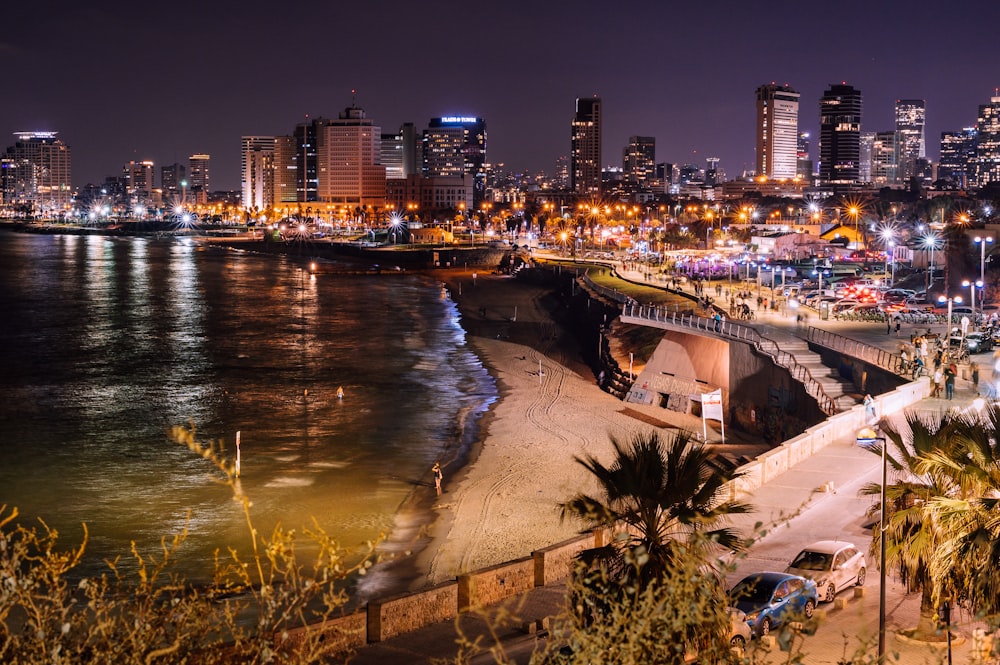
161,81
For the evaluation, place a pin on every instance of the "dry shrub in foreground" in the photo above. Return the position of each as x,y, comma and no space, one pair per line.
152,615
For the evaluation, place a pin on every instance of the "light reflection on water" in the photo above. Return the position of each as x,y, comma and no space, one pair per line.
109,342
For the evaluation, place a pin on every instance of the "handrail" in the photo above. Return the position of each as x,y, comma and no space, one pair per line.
743,333
887,360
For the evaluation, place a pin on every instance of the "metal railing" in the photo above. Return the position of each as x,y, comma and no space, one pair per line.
744,334
886,360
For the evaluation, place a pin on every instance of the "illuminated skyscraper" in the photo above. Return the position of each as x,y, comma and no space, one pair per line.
910,120
199,180
257,173
35,173
958,149
347,158
839,135
138,181
986,164
885,158
455,146
777,131
171,176
585,159
639,160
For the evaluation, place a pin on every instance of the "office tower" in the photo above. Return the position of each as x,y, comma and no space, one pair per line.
585,153
803,162
391,155
347,160
138,178
399,153
639,160
713,174
866,148
305,144
910,119
958,149
35,173
171,177
986,163
199,181
454,146
286,170
777,131
257,173
561,178
839,135
885,156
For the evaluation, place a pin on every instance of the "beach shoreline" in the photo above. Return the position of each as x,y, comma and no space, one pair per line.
503,502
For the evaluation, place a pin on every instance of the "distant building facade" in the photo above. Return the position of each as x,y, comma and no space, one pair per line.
348,168
958,149
455,146
911,116
257,173
585,153
986,163
840,133
639,161
777,131
36,172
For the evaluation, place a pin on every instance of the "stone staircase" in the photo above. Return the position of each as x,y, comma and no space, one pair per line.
841,391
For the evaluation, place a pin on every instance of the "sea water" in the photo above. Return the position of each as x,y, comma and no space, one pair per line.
106,343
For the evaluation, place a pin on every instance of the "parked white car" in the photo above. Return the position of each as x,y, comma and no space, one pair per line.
833,564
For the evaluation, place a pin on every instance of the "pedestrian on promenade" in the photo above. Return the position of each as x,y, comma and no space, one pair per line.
898,326
870,418
949,380
905,358
974,371
937,380
888,325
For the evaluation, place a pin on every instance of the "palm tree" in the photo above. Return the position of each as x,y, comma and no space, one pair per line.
913,536
655,496
969,513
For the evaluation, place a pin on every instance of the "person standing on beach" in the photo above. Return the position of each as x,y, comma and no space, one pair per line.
438,477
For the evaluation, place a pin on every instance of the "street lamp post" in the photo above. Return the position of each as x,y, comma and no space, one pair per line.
982,242
956,299
972,303
868,437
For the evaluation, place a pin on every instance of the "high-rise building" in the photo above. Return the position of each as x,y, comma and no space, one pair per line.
171,177
866,148
138,177
986,164
958,149
803,161
257,173
286,169
885,158
35,173
585,154
391,155
199,180
305,143
561,178
347,157
456,146
639,160
777,131
839,135
910,120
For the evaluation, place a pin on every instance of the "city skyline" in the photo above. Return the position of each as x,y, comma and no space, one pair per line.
120,86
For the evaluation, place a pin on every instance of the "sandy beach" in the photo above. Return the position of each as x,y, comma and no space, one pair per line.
504,503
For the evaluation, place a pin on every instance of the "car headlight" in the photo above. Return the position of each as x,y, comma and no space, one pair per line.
752,616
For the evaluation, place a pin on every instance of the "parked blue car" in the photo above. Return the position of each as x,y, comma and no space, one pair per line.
771,599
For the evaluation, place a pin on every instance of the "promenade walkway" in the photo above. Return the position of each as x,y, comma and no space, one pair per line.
822,494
